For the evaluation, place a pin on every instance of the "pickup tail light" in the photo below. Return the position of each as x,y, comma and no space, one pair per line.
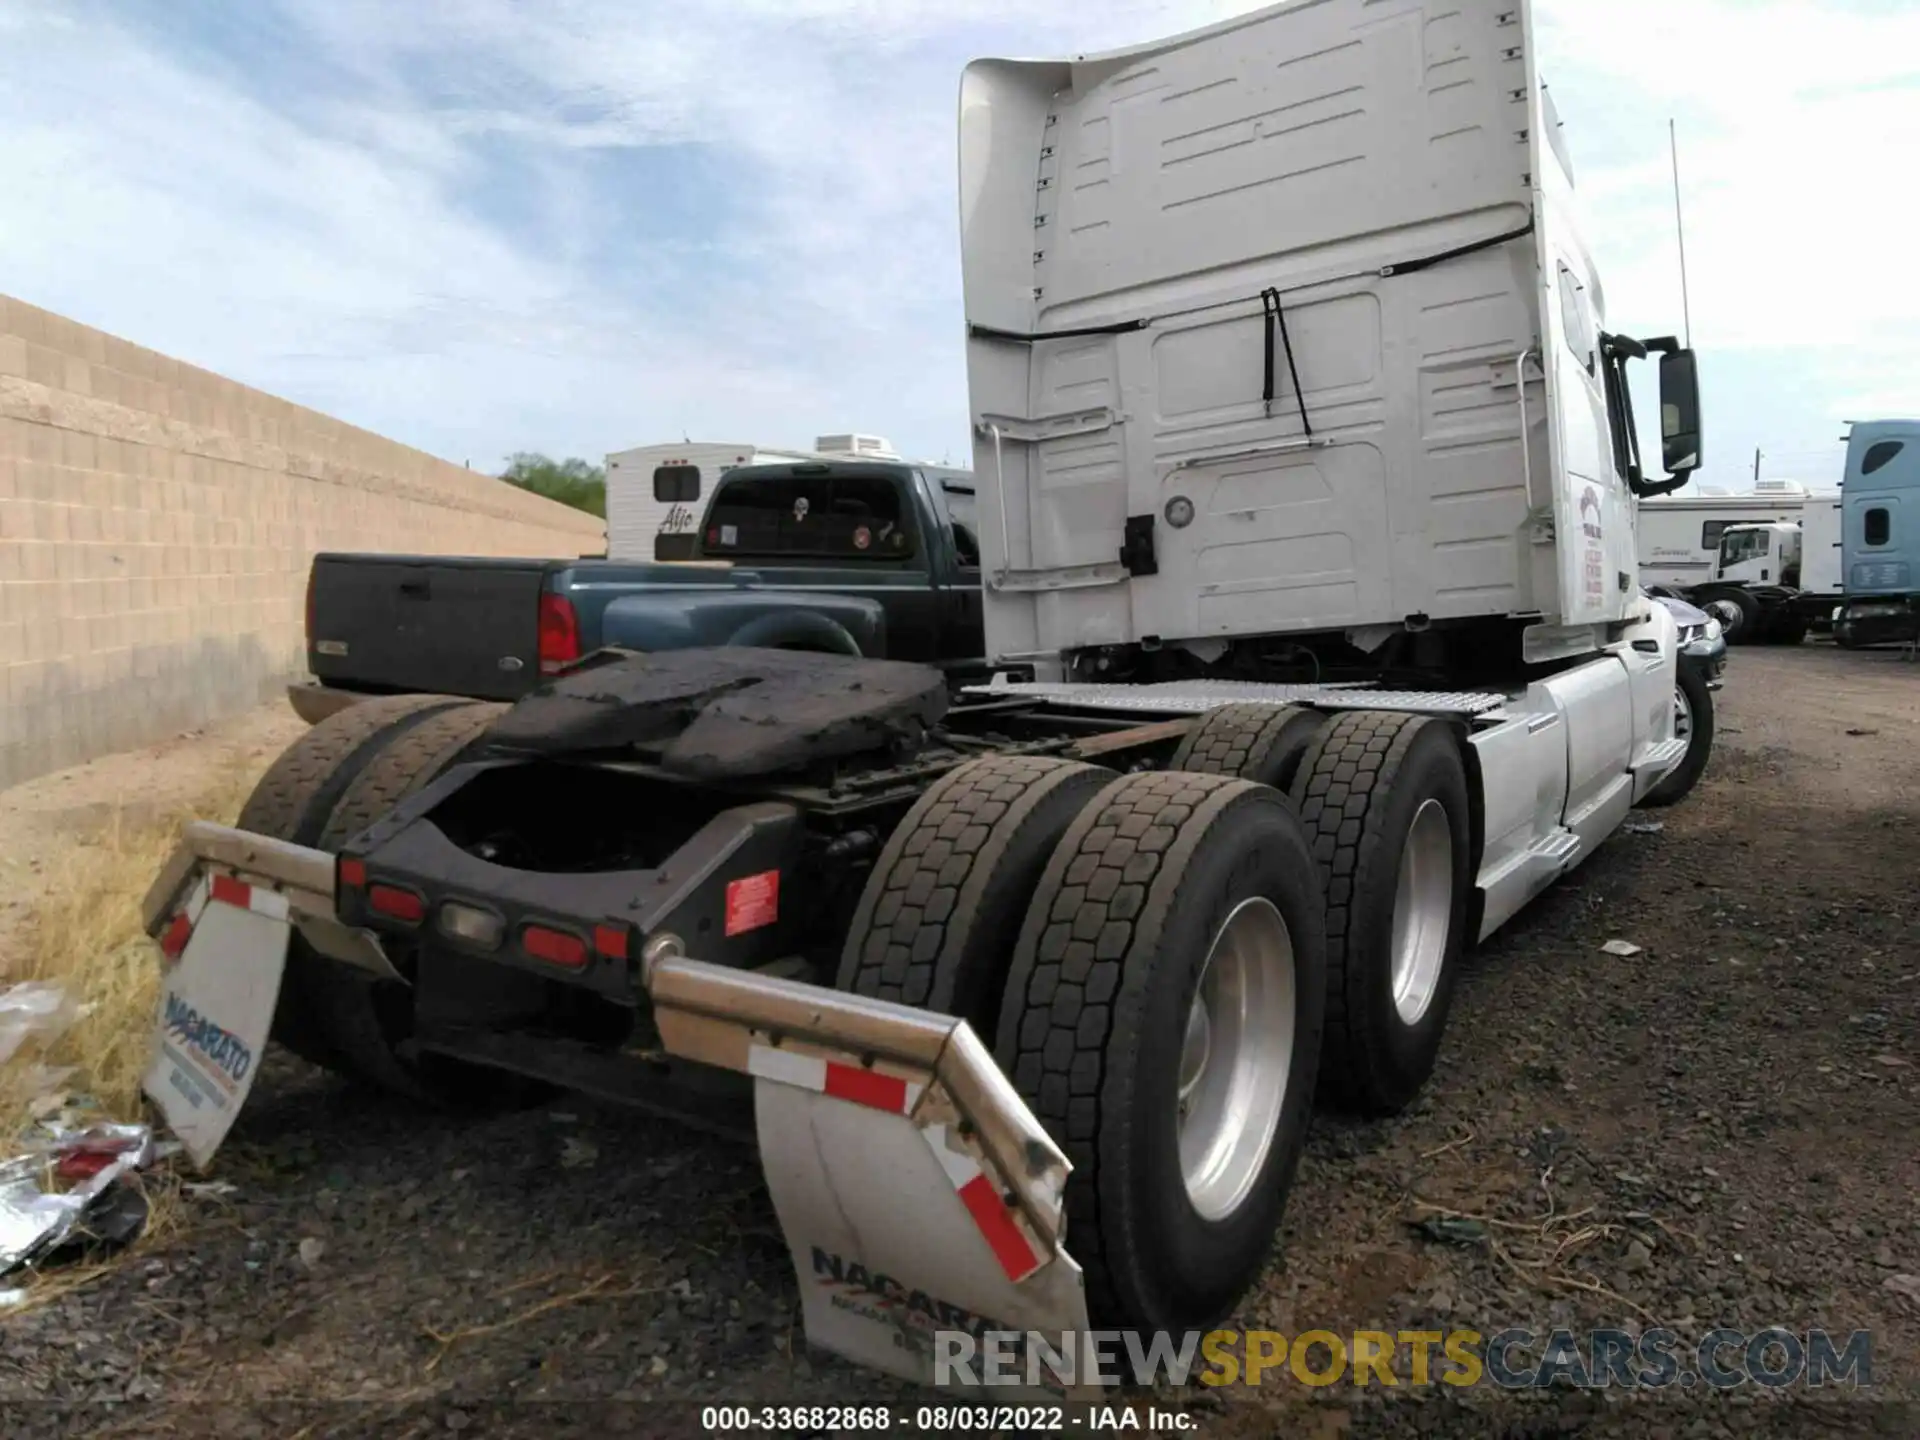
559,634
312,570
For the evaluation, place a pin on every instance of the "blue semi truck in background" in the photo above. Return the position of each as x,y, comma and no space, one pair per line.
1880,534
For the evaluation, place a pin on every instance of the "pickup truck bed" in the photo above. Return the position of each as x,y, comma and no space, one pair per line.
852,559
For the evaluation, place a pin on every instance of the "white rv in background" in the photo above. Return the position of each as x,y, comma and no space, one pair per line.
1678,536
635,519
1766,564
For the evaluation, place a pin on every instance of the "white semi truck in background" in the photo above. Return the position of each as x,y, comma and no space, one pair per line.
1774,580
1306,471
1678,535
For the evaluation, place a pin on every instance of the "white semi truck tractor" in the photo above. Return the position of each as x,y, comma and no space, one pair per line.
1306,478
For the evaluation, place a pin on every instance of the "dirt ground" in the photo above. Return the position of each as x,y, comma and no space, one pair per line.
43,820
1722,1129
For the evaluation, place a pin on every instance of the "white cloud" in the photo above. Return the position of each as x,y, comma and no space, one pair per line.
328,242
1791,118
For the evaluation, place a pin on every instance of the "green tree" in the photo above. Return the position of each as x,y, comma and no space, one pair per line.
572,482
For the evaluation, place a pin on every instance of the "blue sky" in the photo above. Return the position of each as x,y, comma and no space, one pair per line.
582,225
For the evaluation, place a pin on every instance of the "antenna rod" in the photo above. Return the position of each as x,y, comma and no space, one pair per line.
1680,226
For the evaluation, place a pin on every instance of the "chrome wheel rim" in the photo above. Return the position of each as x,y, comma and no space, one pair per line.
1235,1058
1422,911
1682,714
1727,613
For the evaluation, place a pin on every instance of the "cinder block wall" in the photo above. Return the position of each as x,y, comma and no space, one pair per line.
156,525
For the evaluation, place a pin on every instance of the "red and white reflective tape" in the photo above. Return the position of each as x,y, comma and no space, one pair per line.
223,890
855,1083
1019,1257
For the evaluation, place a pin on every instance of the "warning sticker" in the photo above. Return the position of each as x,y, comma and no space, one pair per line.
862,538
753,902
729,535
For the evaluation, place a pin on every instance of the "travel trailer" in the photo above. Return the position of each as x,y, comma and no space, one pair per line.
1678,536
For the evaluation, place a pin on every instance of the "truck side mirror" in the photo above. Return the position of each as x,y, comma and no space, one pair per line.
1679,413
676,484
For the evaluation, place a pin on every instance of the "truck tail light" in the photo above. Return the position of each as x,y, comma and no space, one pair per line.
556,947
559,634
396,904
311,569
471,925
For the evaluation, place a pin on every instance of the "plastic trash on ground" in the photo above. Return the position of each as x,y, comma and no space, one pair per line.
67,1176
33,1008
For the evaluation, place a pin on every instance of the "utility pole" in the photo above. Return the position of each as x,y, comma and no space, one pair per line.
1756,467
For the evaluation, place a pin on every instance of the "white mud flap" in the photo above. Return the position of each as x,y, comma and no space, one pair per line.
919,1197
899,1235
226,950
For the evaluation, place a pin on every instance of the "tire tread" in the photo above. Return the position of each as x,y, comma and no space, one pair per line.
1352,764
917,915
1091,910
1243,740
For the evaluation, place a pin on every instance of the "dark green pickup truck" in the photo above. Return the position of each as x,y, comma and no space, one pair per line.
855,558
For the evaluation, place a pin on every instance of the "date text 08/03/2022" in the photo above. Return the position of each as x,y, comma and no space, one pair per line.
942,1418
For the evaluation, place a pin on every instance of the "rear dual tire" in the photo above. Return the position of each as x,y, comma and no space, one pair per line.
339,778
1384,800
939,916
1131,946
1162,1019
1261,743
1170,1006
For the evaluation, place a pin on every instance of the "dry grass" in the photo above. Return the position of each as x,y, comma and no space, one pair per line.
85,935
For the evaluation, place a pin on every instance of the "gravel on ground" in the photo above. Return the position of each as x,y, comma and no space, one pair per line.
1717,1130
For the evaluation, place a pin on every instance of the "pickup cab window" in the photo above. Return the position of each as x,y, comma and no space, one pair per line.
962,522
840,517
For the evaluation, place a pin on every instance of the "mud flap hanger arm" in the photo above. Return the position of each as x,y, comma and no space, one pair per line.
302,876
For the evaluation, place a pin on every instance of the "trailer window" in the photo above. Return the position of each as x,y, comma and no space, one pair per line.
1710,533
1879,526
